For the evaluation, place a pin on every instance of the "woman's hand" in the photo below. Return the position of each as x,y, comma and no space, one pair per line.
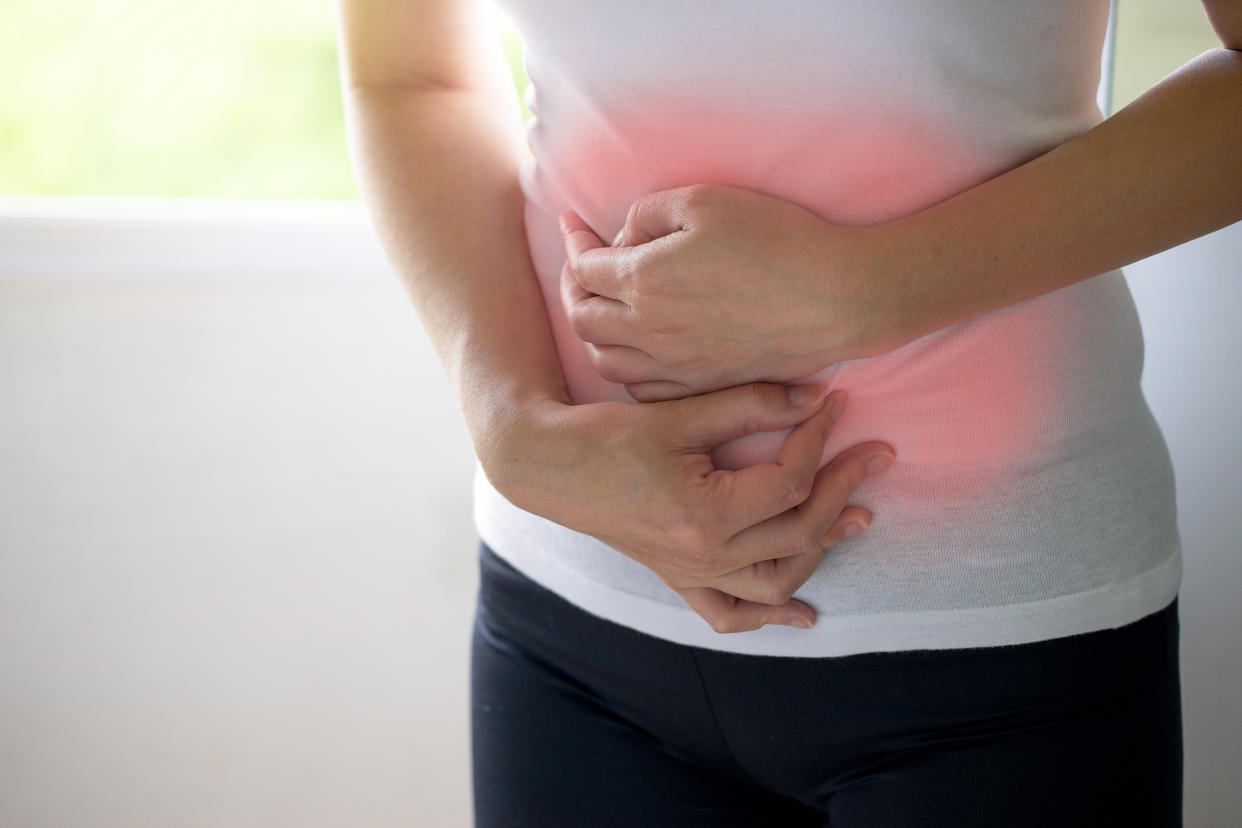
714,286
735,545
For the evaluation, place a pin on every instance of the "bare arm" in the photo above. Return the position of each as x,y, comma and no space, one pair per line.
1162,171
436,138
435,134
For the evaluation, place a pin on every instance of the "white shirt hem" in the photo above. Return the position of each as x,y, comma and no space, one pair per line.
1105,607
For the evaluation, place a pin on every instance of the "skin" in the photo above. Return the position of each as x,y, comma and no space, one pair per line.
437,140
683,303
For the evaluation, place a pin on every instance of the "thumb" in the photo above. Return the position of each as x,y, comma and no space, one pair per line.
716,418
577,234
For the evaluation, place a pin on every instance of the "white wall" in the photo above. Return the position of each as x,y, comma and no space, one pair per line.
236,556
1190,301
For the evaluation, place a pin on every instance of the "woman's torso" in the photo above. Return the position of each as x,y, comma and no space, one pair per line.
1032,494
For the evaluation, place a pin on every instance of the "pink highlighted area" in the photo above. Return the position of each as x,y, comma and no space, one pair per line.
985,393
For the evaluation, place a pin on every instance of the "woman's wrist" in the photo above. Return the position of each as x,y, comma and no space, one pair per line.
519,443
875,301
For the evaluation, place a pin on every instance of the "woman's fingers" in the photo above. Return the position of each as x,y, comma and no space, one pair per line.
729,614
623,364
595,318
658,391
802,528
775,581
594,265
851,521
757,493
698,424
734,500
790,547
763,593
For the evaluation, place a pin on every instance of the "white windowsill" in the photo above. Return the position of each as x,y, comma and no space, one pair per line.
147,237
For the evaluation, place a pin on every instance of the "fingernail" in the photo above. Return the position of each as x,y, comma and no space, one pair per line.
878,462
563,220
801,623
853,528
836,404
800,395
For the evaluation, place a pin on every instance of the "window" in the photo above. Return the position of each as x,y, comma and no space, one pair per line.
215,98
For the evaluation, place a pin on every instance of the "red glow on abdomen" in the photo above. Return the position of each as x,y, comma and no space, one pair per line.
981,393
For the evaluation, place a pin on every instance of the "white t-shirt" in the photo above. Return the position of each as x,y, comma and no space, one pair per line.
1032,496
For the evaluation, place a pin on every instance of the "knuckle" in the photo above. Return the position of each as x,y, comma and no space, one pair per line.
694,550
761,394
610,372
795,490
669,340
770,397
732,621
763,399
806,541
607,367
802,486
643,392
578,323
720,506
850,471
696,197
595,355
702,369
723,624
775,593
631,217
679,418
831,532
636,270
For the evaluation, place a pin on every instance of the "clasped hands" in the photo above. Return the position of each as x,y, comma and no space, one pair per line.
710,299
711,286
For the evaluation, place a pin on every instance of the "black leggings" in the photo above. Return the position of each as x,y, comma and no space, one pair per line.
583,723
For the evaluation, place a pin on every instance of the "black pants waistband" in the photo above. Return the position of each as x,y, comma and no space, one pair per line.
580,721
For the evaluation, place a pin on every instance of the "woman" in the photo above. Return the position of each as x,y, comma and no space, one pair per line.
863,276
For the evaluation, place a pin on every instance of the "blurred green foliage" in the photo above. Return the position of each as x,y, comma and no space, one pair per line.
192,98
232,98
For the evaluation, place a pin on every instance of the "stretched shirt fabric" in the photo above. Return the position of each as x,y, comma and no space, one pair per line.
1032,496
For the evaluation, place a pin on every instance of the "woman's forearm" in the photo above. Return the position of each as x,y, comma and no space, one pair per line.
438,169
1162,171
